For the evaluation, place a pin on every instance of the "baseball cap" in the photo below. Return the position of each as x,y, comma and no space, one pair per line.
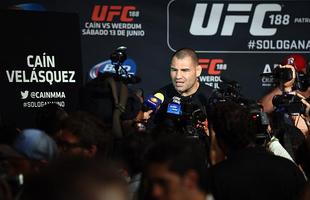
36,145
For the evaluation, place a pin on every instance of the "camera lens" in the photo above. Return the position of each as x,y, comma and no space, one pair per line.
283,74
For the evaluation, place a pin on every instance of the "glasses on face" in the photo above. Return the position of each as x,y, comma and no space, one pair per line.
65,145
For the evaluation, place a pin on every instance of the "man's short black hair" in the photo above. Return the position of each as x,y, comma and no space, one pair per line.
232,125
89,130
180,154
186,52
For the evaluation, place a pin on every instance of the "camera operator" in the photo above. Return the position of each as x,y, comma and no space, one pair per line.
229,91
300,67
249,171
185,92
266,101
293,85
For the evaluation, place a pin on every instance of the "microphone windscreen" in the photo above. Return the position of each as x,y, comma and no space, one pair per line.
153,102
160,96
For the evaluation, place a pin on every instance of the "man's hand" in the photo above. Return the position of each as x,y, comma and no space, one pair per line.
304,123
143,116
307,106
216,152
204,125
266,101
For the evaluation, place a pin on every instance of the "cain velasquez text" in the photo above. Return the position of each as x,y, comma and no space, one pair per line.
41,72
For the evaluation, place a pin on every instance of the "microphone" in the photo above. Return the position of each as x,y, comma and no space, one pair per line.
153,102
175,106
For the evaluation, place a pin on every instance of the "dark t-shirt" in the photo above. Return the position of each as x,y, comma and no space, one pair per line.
199,100
194,110
200,97
255,174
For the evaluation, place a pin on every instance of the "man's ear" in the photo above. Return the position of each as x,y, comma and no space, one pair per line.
198,70
191,179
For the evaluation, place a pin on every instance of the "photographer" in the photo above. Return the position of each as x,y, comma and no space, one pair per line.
249,171
300,67
293,85
266,101
229,91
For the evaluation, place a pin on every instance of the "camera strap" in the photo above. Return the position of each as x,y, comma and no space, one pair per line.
120,96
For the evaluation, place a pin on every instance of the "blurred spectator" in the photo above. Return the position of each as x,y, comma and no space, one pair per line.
289,136
35,148
128,154
175,169
13,167
82,134
249,171
76,179
13,163
36,145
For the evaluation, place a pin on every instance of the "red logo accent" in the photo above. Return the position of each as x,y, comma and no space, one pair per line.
108,13
211,64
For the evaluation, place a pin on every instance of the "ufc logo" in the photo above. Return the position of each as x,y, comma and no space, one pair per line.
108,13
214,66
231,19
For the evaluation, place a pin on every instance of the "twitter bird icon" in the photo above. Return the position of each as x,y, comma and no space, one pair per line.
24,94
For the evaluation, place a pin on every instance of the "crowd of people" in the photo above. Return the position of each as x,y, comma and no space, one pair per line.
185,147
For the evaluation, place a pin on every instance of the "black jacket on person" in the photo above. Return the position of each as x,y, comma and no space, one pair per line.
255,174
199,100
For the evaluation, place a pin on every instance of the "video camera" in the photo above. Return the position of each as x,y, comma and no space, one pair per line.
118,57
283,75
187,117
230,91
192,116
260,122
289,103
